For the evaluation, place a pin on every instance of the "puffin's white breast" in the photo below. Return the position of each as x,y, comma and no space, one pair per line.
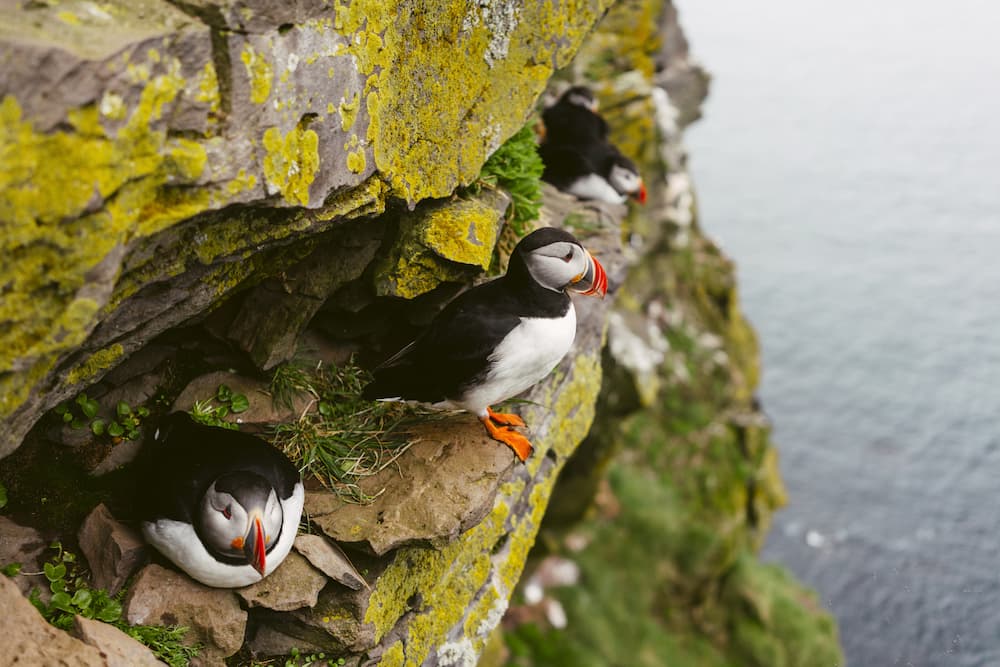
593,186
526,355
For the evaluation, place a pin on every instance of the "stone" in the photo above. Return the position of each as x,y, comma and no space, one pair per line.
160,596
441,486
271,641
261,414
295,584
29,640
113,550
330,560
24,545
117,648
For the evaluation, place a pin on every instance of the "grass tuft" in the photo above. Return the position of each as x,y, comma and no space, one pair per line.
517,168
346,438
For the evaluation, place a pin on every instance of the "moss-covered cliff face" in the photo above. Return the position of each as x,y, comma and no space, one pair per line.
218,184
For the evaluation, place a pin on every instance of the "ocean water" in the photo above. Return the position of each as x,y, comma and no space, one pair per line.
849,161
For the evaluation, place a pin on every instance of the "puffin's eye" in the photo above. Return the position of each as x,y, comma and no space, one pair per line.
228,512
568,256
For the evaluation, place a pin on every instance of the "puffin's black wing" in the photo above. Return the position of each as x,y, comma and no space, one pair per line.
568,123
453,352
565,164
179,464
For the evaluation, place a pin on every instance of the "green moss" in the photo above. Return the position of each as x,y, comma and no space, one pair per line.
259,72
517,168
292,161
95,363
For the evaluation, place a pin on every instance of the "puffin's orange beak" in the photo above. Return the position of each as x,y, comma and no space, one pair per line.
594,281
640,194
255,546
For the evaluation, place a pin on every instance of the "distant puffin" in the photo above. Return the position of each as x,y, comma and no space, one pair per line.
224,506
592,171
574,118
497,339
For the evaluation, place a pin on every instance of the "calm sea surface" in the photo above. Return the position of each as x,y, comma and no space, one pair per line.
849,161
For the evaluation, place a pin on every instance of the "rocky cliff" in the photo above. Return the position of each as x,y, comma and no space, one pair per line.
217,185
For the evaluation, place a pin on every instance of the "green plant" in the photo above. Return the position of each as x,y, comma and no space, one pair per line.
82,412
517,168
206,412
72,596
345,438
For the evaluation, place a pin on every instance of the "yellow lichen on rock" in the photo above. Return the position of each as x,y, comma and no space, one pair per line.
291,162
259,72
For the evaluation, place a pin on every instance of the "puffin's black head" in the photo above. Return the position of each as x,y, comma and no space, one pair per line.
240,517
554,259
624,177
580,96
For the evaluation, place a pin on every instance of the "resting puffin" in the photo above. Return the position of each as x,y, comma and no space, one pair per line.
224,506
592,171
574,118
498,339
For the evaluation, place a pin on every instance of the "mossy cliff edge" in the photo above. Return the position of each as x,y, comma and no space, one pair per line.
261,172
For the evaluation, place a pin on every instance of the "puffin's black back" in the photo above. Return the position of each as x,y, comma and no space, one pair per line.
453,353
569,123
564,164
181,463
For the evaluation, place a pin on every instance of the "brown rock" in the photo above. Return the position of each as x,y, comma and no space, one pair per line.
113,550
330,559
24,545
28,640
262,412
450,477
118,649
163,597
295,584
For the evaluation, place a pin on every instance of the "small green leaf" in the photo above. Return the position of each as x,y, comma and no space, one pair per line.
325,409
89,408
123,409
11,569
53,572
61,600
97,426
115,430
81,399
78,423
82,599
222,411
142,411
58,586
61,409
239,403
69,557
67,417
110,612
224,393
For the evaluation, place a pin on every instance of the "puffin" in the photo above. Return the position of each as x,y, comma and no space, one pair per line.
592,171
223,506
574,118
499,338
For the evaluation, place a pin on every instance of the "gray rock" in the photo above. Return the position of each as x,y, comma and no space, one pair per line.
271,641
117,648
295,584
164,597
29,640
449,481
113,550
262,412
24,545
330,560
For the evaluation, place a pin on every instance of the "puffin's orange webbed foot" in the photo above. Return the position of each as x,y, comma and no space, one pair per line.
508,436
505,418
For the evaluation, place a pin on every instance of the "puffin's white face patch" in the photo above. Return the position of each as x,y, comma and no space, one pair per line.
624,180
555,265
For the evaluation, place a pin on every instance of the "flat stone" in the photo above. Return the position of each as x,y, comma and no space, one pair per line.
271,641
113,550
444,484
30,640
330,559
295,584
262,412
24,545
118,649
164,597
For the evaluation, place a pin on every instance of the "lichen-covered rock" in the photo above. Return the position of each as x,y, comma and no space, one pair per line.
113,550
164,597
128,129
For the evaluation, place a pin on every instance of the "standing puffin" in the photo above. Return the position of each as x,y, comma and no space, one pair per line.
497,339
224,506
592,171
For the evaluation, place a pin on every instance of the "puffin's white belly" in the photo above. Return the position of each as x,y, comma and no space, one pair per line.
180,543
529,352
596,187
